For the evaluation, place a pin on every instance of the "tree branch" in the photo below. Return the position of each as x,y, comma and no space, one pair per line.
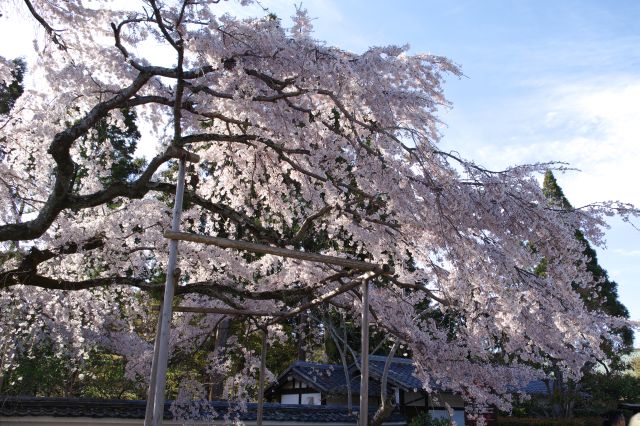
58,41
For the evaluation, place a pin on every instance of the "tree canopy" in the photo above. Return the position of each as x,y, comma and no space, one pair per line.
302,145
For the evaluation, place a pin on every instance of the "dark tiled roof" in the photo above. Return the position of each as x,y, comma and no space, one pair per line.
401,372
536,387
326,378
539,387
73,407
330,379
95,408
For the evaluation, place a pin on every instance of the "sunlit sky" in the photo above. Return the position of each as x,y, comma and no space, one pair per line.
544,80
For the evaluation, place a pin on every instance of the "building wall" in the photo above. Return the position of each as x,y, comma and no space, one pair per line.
439,400
314,398
414,399
438,404
355,400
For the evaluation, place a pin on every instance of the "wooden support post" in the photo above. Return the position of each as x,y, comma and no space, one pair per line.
169,290
148,415
263,361
364,364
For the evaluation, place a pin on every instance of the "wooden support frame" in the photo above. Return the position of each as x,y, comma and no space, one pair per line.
278,251
263,363
148,415
364,355
160,359
161,347
226,311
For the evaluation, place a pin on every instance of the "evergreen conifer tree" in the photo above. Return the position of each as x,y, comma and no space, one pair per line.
10,92
606,299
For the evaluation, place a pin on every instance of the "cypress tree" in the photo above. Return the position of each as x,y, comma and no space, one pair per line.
607,291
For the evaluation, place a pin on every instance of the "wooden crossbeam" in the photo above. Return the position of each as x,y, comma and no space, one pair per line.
226,311
278,251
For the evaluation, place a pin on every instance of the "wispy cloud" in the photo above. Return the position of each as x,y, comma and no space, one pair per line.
593,125
627,253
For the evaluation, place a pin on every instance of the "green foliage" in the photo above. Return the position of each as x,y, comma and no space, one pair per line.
105,378
41,374
9,93
425,419
115,147
553,192
606,391
45,374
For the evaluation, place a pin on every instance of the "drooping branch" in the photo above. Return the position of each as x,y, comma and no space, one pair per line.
161,25
53,34
329,295
308,224
206,288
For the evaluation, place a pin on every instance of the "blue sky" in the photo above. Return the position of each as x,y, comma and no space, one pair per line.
544,80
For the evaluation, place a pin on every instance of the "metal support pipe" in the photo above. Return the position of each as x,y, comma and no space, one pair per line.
364,364
169,290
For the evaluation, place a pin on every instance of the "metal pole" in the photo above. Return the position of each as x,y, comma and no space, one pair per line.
169,289
364,365
263,361
148,415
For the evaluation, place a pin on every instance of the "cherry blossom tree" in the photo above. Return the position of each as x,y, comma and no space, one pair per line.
302,145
